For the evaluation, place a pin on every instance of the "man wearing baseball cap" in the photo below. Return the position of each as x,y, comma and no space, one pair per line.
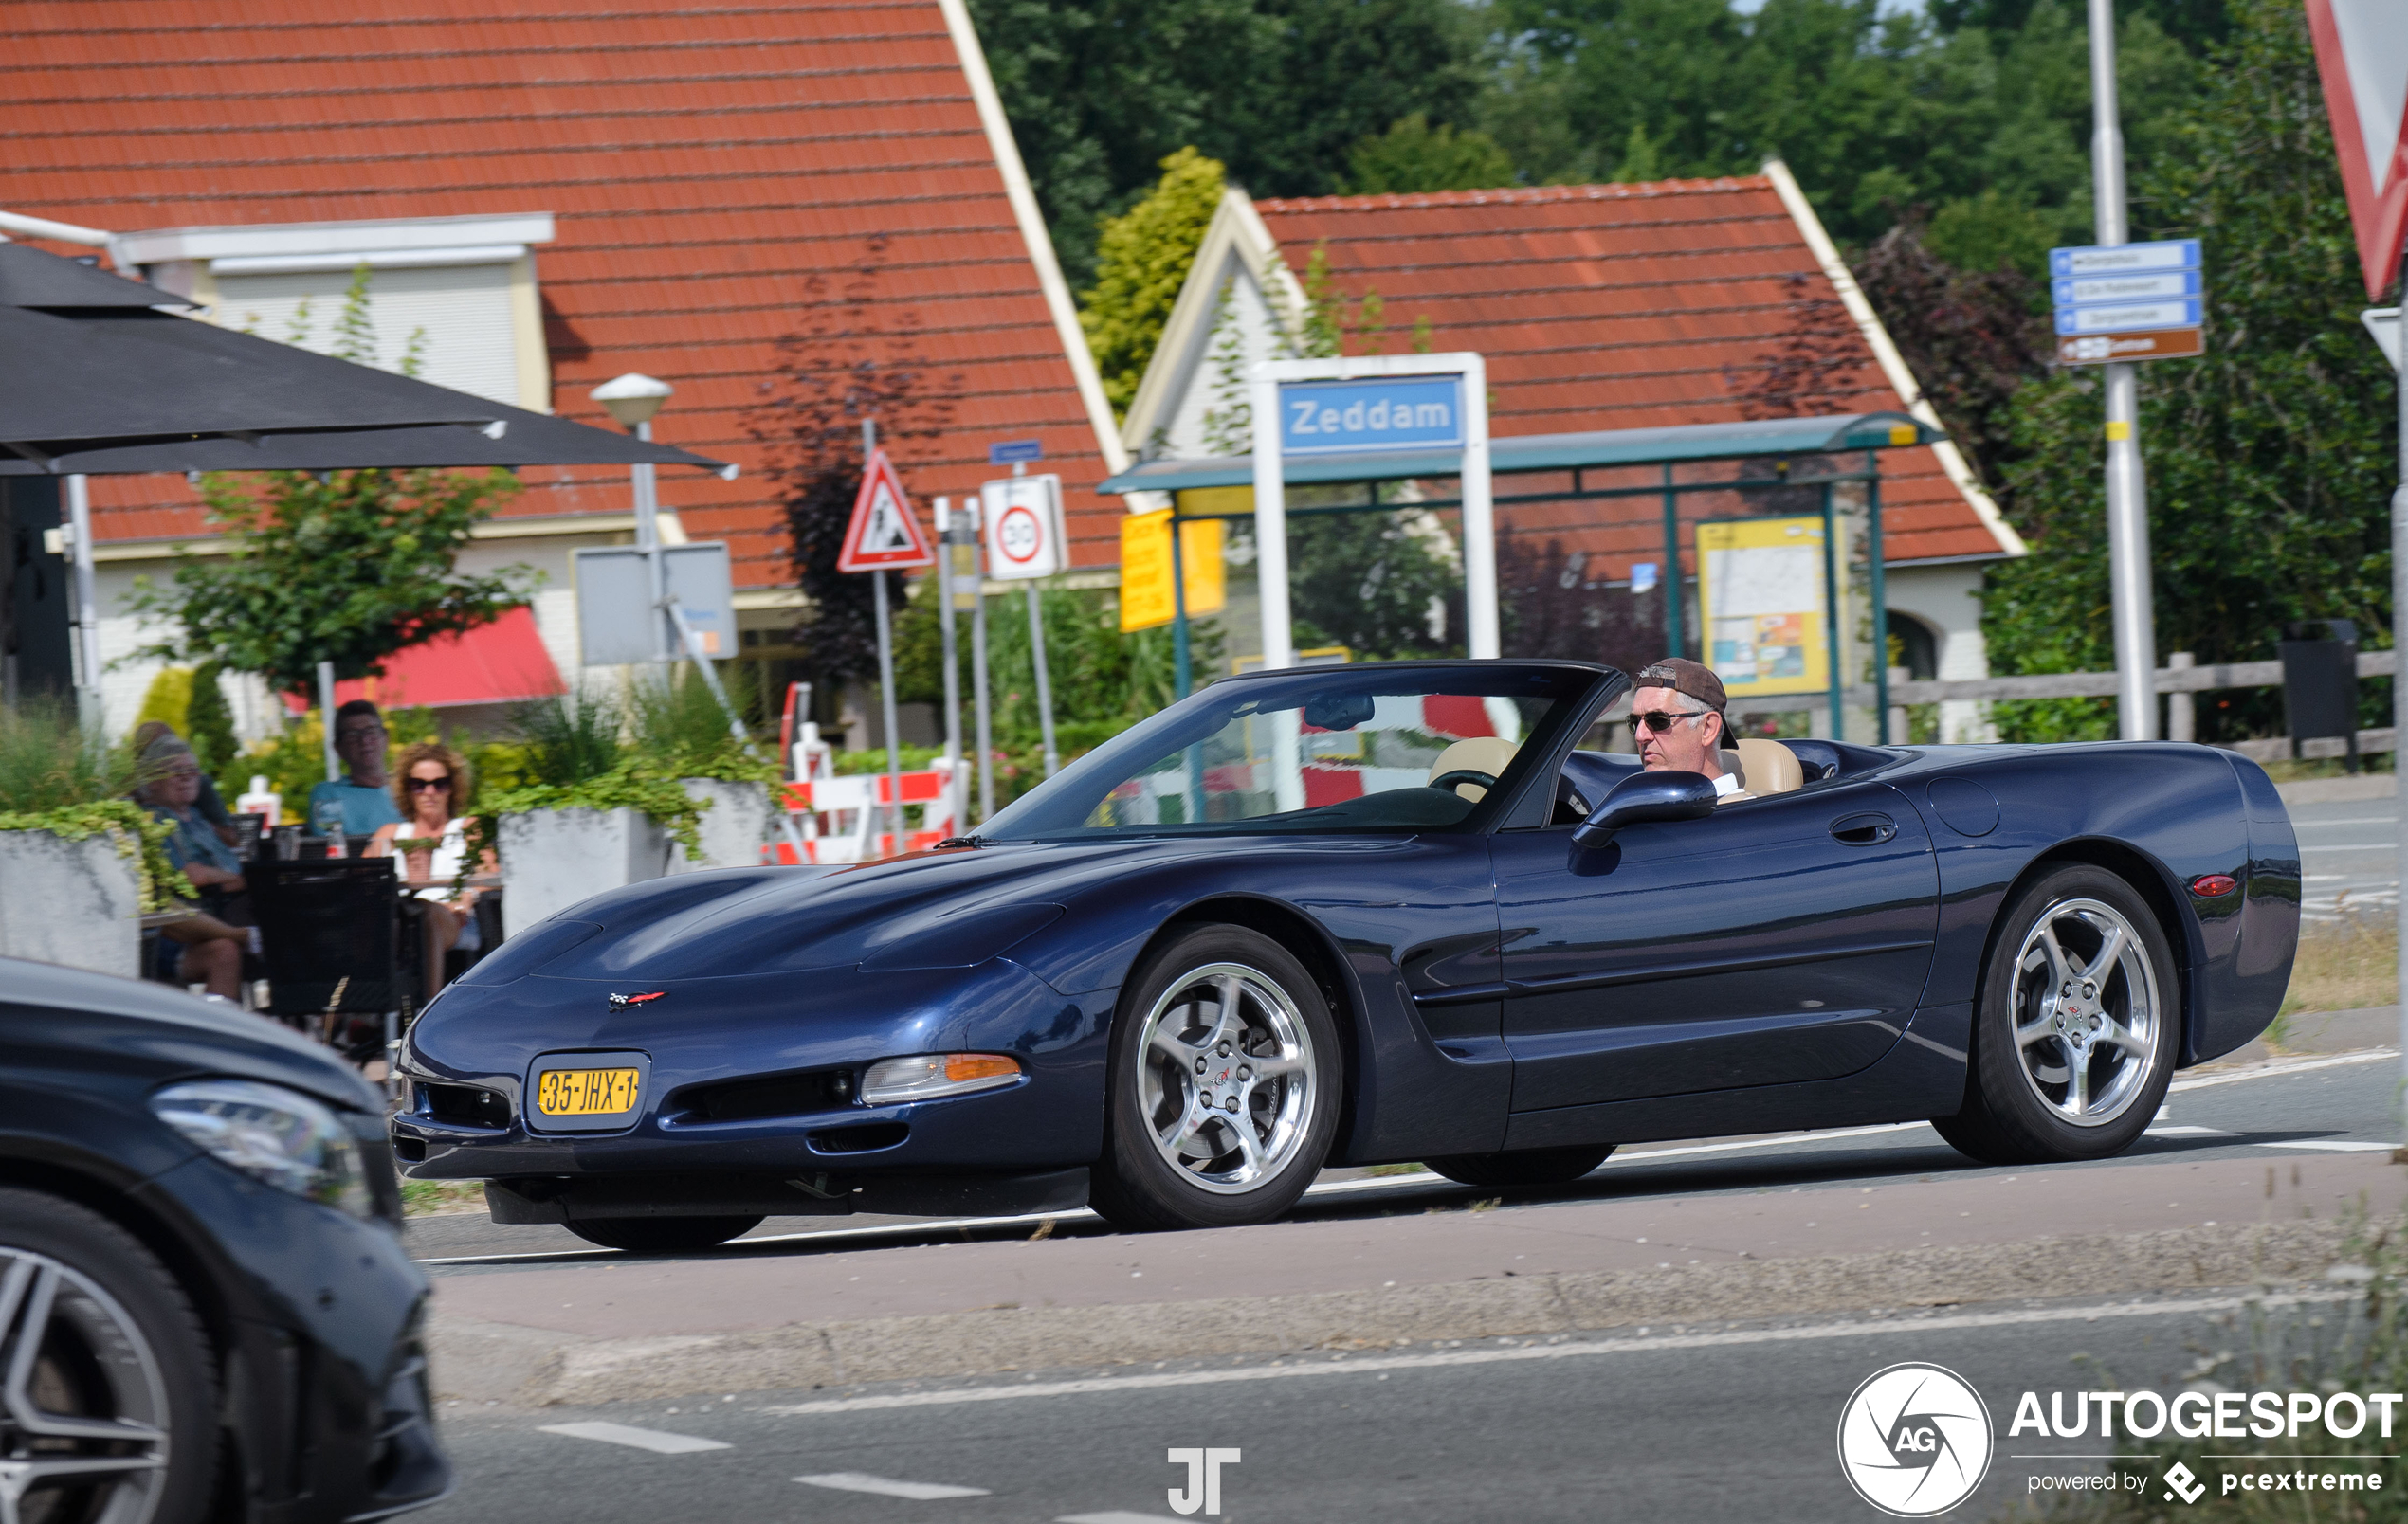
1676,715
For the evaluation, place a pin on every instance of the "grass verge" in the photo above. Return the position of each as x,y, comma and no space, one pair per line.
431,1198
2346,964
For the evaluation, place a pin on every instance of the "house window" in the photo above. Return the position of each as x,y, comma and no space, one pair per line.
458,294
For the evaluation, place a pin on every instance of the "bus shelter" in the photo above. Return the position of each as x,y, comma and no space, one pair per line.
1817,457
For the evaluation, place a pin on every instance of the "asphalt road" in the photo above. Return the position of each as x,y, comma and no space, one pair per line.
2350,854
1729,1422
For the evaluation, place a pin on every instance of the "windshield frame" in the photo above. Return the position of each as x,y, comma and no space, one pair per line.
1156,735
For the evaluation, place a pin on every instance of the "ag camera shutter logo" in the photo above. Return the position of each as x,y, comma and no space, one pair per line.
1914,1440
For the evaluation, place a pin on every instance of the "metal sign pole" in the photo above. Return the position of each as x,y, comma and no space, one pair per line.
1831,619
957,796
1880,592
87,598
1182,675
1671,583
2127,502
1036,658
978,686
885,669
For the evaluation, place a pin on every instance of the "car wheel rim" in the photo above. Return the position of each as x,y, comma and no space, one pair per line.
1226,1077
82,1409
2088,1019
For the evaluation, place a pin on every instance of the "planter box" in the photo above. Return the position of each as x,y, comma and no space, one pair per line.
552,858
72,902
733,828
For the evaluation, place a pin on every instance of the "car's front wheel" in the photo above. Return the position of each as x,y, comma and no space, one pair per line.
2074,1033
662,1235
107,1410
1223,1088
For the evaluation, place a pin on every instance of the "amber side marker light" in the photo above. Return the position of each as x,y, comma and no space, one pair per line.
930,1075
2214,885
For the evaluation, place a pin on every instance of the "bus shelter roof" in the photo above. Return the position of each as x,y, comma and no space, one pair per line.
1522,453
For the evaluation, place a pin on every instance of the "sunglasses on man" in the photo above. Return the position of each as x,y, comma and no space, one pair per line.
1660,721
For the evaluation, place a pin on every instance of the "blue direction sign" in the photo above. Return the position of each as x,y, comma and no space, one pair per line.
1390,413
2129,301
1015,451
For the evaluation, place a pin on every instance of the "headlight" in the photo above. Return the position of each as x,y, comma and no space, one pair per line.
936,1074
280,1137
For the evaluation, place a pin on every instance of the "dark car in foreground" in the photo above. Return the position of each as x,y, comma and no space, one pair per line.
1360,915
206,1312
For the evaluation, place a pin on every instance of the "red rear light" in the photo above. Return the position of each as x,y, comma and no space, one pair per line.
2214,885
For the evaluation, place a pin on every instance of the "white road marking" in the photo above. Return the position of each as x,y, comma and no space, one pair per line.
2350,820
2190,1131
1118,1516
640,1439
1346,1188
1340,1367
2336,1146
862,1482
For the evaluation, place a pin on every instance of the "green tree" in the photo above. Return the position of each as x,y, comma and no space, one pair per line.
2271,458
208,720
1100,91
1414,156
347,570
1140,262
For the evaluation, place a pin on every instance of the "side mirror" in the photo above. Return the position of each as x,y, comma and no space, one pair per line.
1646,796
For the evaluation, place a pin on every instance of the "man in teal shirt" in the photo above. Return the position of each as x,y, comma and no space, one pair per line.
363,792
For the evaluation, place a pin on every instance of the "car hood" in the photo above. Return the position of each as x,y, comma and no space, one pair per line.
934,910
167,1032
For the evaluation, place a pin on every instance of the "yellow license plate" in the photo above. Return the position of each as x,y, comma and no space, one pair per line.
585,1092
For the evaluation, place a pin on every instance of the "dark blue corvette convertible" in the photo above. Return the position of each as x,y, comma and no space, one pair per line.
1368,914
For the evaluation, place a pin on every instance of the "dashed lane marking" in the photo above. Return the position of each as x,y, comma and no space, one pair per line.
638,1439
2338,1145
1381,1365
862,1482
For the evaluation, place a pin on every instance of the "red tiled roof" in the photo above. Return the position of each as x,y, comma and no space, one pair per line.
706,165
1621,306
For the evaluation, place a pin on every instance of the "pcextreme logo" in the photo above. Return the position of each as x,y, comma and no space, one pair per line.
1914,1440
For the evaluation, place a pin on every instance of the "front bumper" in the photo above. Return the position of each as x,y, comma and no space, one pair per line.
319,1317
998,1152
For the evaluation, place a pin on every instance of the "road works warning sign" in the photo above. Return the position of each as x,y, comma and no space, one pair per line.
882,535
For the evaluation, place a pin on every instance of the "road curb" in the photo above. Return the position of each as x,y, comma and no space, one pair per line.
529,1367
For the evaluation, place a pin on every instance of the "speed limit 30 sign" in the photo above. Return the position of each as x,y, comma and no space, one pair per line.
1023,526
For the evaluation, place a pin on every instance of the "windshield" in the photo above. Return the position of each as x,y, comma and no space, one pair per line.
1317,750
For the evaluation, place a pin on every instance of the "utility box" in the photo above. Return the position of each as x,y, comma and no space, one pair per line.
2319,682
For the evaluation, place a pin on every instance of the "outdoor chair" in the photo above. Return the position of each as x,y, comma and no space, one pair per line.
330,930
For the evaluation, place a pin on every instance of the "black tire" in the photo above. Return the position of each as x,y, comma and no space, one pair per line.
1292,1113
2020,1101
662,1235
121,1341
1529,1167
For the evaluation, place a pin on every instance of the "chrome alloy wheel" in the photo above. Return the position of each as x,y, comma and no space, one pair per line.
1225,1078
82,1408
2088,1017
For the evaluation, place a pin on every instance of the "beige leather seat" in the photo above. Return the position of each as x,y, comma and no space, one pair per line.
1763,767
1482,754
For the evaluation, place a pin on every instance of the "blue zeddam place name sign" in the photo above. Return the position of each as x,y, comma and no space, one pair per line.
1392,413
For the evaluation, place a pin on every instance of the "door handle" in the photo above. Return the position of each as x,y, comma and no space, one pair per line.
1864,830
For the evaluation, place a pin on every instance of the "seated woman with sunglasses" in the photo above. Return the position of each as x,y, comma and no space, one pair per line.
429,786
1676,715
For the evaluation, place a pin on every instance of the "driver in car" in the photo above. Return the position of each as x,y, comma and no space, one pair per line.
1676,715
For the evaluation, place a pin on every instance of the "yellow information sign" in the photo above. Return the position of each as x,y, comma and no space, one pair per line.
1760,592
1145,569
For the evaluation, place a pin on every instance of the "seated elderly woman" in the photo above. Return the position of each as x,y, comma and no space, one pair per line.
431,786
205,949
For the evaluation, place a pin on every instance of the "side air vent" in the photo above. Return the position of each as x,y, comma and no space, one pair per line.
784,1094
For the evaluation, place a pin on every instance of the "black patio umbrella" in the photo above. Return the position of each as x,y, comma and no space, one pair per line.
99,381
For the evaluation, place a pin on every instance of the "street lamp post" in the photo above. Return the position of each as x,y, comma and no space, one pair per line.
632,399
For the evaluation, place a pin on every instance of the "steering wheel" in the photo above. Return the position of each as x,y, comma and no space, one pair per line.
1470,775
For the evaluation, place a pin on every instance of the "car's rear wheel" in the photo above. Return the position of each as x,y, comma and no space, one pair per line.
1529,1167
1223,1090
2074,1033
107,1414
662,1235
